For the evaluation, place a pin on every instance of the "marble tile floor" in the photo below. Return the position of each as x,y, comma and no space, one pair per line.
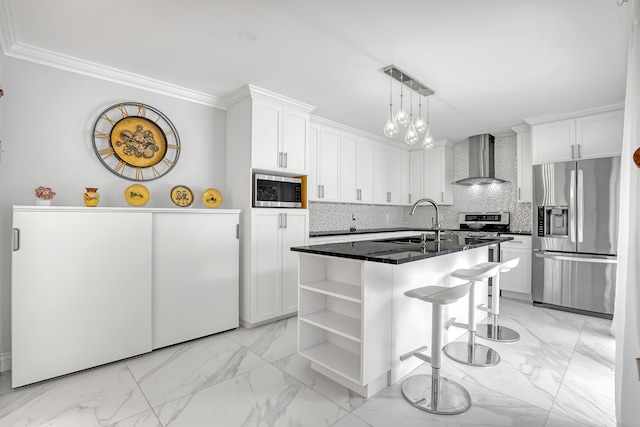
560,374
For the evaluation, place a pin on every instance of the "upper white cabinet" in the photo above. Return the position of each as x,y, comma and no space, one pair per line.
324,159
586,137
356,169
279,137
416,160
274,267
389,170
524,186
269,129
438,173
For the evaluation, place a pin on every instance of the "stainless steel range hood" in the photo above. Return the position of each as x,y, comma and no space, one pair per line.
481,161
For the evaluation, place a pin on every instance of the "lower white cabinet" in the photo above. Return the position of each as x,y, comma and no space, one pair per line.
274,267
195,276
519,279
95,285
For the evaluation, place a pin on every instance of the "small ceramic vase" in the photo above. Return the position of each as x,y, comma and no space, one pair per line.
91,197
43,202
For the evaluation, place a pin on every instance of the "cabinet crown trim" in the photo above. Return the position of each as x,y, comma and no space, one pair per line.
251,91
565,116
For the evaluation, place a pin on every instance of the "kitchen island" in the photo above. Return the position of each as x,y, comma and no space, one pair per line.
354,321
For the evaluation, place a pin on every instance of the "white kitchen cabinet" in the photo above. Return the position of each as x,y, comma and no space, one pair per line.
405,177
356,169
416,160
438,173
112,283
195,275
388,170
81,290
323,180
279,137
587,137
274,267
524,185
516,282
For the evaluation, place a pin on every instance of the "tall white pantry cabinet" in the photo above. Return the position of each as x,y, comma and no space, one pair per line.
95,285
263,125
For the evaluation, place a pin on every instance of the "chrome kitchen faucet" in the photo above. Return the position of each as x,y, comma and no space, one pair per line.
435,205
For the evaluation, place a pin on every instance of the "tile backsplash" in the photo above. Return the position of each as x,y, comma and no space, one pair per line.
484,198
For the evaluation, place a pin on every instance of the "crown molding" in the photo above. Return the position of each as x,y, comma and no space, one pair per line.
521,129
590,112
7,37
257,92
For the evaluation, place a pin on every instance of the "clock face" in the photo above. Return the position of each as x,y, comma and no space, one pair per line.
136,141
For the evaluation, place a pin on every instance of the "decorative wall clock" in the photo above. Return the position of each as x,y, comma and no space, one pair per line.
136,141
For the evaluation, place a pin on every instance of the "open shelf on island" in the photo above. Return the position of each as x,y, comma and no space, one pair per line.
335,358
337,323
335,289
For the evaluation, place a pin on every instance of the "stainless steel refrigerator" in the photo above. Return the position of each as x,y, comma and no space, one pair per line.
575,235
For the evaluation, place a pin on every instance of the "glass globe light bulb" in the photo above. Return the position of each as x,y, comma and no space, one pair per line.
402,118
412,135
391,128
427,142
421,125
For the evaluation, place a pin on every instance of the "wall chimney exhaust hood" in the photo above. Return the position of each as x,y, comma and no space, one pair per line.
481,161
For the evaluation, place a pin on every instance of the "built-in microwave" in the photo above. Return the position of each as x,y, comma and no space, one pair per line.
271,191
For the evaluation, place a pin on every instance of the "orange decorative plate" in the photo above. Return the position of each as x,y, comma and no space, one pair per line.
182,196
137,195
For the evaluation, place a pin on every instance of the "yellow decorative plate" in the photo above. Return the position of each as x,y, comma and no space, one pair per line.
137,195
182,196
211,198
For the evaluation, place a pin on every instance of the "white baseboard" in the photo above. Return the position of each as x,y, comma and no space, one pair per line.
5,361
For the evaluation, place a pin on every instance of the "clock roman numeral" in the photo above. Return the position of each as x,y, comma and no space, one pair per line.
167,162
155,171
120,167
102,135
173,146
142,110
170,132
106,152
139,174
123,110
107,118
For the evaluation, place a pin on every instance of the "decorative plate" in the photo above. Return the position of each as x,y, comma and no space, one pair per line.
137,195
182,196
211,198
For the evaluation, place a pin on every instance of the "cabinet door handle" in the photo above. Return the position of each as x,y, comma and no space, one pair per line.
323,191
388,196
279,159
285,160
442,196
16,239
279,220
319,191
285,220
409,198
238,231
519,193
573,151
579,151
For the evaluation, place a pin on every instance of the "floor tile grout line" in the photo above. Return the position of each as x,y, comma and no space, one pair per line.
143,395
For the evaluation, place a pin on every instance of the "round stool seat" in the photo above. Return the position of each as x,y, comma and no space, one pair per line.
439,294
477,273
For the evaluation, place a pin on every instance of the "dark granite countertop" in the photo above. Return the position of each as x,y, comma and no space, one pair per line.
395,250
387,230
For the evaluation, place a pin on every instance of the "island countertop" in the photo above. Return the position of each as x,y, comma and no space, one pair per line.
397,250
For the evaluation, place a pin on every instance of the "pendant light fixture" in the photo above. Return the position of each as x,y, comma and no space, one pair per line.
401,118
411,136
391,128
427,142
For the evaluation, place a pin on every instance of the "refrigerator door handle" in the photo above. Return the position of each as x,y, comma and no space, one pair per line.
572,207
580,205
565,257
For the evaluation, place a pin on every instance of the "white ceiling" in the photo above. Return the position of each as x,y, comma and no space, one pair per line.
492,63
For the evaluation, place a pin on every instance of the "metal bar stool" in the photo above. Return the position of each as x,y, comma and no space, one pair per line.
433,393
471,353
493,331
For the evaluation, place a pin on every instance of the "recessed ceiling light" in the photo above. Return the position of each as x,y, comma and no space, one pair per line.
248,36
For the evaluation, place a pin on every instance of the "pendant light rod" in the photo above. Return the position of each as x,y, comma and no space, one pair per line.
408,80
